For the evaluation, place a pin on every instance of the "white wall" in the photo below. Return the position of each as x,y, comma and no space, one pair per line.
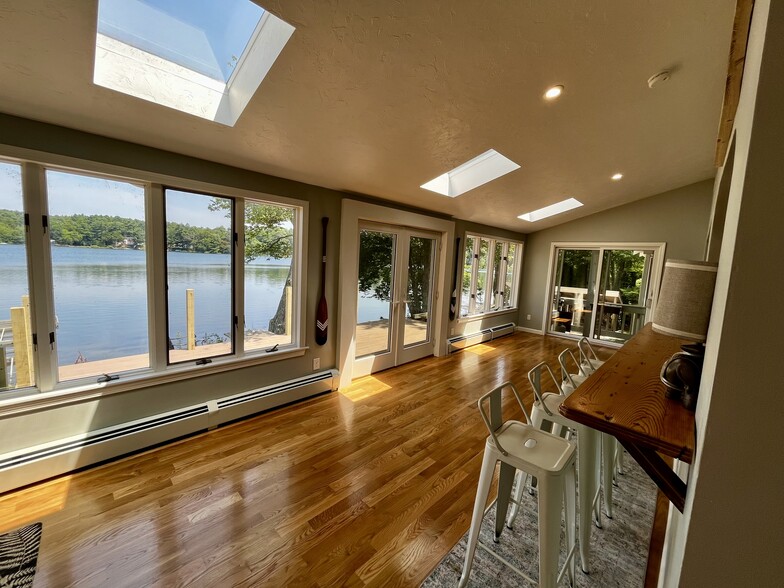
731,530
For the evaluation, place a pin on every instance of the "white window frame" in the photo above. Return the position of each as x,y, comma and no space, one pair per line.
48,390
487,308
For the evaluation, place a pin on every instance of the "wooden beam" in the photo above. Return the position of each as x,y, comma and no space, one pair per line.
740,37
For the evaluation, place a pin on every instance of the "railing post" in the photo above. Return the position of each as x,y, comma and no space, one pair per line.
190,311
22,343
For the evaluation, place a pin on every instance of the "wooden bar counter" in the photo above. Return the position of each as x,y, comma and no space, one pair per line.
625,398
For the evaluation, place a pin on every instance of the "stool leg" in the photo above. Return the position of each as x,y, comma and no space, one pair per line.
550,496
608,467
483,489
505,480
619,458
588,482
522,480
570,516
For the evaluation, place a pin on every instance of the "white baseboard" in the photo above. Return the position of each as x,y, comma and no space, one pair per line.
528,330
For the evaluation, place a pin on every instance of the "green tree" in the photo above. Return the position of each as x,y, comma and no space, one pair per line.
269,233
11,227
375,269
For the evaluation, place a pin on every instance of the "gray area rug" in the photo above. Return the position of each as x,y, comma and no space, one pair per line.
19,556
619,551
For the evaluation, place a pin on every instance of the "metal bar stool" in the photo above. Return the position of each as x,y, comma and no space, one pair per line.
551,459
545,410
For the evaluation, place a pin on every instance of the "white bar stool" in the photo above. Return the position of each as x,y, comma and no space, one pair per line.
551,459
545,409
588,357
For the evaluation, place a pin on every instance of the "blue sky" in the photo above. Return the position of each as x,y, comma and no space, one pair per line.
201,35
75,194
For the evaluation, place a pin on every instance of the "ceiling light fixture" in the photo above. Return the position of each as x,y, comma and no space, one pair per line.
554,92
472,174
616,177
551,210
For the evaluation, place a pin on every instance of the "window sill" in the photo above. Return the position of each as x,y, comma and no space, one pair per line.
479,317
65,394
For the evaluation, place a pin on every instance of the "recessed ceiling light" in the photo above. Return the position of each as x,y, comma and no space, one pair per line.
551,210
472,174
616,177
554,92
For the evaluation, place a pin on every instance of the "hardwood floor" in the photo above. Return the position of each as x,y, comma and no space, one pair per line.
368,486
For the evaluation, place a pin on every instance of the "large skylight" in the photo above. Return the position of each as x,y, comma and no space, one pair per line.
551,210
472,174
203,57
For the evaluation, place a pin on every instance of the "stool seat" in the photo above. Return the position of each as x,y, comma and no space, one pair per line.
532,449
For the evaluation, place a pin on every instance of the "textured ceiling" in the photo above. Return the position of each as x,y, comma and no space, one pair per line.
379,96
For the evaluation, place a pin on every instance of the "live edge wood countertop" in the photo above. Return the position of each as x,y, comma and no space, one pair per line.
625,398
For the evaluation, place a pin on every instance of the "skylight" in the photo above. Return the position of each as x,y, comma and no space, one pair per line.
472,174
551,210
201,57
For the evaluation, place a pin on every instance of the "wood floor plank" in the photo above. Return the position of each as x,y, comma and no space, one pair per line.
368,486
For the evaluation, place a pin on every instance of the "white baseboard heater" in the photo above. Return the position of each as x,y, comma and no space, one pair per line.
40,462
488,334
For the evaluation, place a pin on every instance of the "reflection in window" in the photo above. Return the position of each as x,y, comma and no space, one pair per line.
468,265
509,278
198,275
489,264
99,272
16,358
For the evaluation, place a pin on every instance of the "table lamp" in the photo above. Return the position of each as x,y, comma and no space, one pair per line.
683,310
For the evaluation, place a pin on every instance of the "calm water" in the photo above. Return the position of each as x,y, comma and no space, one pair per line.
101,297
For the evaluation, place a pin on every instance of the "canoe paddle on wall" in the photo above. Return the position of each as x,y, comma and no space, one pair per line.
321,310
453,300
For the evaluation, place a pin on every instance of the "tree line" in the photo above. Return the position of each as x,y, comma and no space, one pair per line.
81,230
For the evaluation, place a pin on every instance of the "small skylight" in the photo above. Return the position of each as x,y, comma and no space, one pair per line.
201,57
472,174
551,210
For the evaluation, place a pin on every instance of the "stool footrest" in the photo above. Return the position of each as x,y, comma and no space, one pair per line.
507,563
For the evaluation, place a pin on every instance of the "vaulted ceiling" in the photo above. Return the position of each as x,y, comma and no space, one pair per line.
378,97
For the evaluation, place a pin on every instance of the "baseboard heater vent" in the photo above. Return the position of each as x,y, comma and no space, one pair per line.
246,403
488,334
40,462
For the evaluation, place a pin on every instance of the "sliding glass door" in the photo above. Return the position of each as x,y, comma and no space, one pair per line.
603,293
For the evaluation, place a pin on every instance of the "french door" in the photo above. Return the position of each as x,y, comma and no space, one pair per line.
396,272
603,292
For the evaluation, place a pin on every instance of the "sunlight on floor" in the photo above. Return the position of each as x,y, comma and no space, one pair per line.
28,506
364,388
479,349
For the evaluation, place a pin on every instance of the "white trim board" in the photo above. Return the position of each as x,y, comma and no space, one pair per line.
529,330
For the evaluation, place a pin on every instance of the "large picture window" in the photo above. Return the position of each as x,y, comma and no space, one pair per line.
99,273
108,278
199,292
490,275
